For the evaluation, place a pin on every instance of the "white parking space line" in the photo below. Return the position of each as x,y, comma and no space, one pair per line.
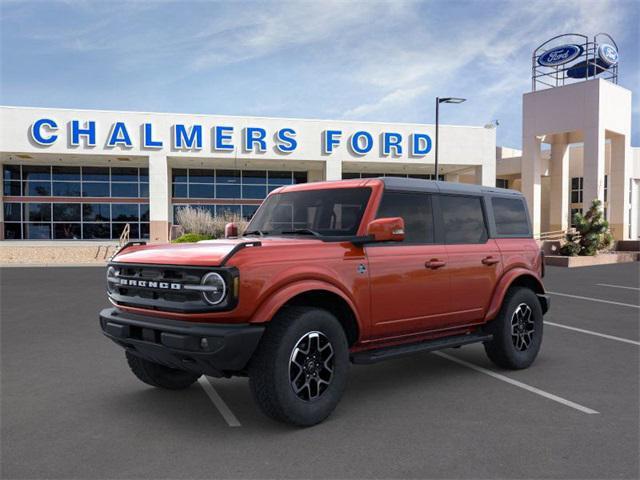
222,407
610,337
616,286
600,300
518,384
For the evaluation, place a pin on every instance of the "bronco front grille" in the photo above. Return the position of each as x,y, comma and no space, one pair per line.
165,287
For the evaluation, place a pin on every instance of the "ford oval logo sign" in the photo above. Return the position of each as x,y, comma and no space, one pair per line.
560,55
608,54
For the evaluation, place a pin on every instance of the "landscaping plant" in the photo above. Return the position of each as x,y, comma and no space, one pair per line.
199,224
591,233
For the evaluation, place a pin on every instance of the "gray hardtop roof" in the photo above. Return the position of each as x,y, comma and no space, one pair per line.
418,185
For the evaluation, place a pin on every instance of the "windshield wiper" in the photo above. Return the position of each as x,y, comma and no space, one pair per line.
302,231
255,232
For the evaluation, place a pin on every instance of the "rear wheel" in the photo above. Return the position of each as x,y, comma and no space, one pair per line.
299,371
517,330
158,375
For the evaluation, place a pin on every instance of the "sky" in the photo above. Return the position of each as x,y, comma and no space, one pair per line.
351,60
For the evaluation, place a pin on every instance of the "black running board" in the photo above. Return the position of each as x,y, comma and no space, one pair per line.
387,353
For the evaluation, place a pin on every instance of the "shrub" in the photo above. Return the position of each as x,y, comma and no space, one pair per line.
591,235
201,222
192,238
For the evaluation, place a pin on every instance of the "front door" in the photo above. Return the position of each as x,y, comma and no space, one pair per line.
410,279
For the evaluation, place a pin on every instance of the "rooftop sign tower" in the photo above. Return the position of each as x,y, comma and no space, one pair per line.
575,99
574,57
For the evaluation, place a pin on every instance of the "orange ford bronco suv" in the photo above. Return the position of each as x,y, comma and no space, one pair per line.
327,274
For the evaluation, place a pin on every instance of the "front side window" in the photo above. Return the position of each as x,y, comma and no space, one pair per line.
510,216
463,219
326,212
415,210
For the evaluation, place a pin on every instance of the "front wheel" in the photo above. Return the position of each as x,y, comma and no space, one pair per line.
517,330
299,371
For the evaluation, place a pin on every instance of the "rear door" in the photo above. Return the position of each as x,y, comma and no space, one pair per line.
409,279
475,263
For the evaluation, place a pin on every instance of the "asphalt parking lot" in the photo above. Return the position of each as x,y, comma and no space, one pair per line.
71,408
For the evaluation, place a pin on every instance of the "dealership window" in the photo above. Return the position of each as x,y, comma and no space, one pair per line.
225,184
63,213
425,176
577,197
502,183
576,189
74,221
606,197
246,211
63,181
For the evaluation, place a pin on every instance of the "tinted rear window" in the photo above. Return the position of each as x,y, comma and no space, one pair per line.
463,219
511,216
415,210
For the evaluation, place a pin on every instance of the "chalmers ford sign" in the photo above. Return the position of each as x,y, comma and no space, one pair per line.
45,132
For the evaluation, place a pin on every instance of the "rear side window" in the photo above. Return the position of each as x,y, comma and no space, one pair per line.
415,209
463,219
511,216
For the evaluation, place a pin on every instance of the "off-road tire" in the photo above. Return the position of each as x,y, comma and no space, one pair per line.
269,368
158,375
501,349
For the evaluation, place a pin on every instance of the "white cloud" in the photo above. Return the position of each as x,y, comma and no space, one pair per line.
490,56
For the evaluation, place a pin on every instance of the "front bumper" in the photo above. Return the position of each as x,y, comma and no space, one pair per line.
212,349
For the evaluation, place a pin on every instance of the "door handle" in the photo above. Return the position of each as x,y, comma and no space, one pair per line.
434,263
490,260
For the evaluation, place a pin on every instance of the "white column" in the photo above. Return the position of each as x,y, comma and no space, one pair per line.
531,172
486,174
593,166
332,169
159,197
559,204
618,188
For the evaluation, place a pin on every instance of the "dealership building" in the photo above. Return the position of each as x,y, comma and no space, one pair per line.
86,174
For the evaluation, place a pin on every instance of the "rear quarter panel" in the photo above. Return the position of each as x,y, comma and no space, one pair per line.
519,252
520,256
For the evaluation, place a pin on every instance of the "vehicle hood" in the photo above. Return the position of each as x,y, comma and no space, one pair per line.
206,253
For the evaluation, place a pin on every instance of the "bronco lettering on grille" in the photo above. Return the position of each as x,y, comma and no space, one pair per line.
149,284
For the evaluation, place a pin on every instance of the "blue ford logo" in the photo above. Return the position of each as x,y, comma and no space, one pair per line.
608,54
560,55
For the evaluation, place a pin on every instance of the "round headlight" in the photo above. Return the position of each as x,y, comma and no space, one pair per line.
215,289
111,275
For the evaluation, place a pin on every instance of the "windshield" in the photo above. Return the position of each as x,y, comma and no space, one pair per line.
326,212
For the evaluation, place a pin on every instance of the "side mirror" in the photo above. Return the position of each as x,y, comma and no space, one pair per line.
230,230
386,229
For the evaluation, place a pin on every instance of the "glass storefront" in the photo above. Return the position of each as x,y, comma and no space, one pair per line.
427,176
114,197
208,188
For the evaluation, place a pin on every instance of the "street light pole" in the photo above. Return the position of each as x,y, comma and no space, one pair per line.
438,102
437,142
